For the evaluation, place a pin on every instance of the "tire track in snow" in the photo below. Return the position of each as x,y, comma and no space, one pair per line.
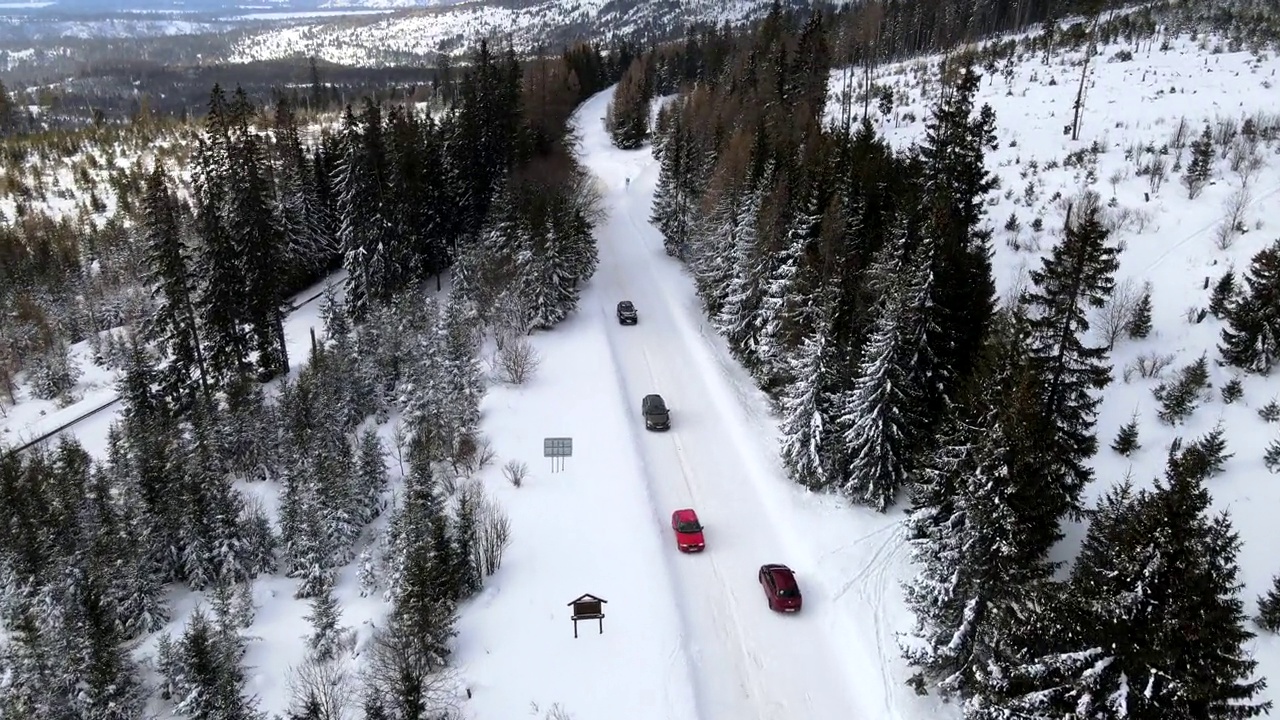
696,652
681,646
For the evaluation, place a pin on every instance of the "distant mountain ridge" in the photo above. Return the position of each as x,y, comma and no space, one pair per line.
526,24
46,8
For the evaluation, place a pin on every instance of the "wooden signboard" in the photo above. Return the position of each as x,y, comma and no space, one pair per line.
588,607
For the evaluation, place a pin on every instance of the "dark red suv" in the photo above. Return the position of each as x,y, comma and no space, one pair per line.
780,588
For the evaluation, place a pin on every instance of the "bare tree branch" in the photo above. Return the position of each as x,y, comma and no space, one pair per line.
326,684
1113,317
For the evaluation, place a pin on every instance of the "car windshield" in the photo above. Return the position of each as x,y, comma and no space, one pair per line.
689,526
625,305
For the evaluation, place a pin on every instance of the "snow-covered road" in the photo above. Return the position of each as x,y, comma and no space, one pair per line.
688,637
749,661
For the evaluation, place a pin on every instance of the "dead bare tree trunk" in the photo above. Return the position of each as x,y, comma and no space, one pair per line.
1084,73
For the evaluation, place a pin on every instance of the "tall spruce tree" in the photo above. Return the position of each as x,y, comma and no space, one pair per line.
174,326
975,528
876,416
222,297
1251,340
252,221
1076,278
372,252
1152,565
955,184
676,198
627,117
808,423
308,243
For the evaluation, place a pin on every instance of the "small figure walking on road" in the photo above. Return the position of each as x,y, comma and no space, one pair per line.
628,182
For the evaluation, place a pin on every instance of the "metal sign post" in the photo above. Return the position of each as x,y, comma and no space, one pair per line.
557,448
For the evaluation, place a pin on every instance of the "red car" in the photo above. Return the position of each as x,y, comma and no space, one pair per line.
688,531
780,588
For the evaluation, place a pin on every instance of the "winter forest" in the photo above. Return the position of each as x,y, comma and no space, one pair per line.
852,279
855,283
394,198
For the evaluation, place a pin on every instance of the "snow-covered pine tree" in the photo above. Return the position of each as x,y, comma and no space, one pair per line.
460,363
252,222
308,244
1076,278
174,326
739,317
371,251
1271,457
1251,340
1224,294
974,528
1269,607
343,501
440,184
1139,325
787,304
714,244
1209,452
221,299
204,676
1200,169
52,373
408,203
960,528
466,540
1060,663
571,240
412,518
675,199
326,639
1179,398
371,480
541,276
876,413
140,595
807,421
307,708
627,116
951,210
38,680
1159,549
303,537
213,536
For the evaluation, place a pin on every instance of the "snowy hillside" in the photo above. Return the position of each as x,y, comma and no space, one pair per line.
451,30
1144,106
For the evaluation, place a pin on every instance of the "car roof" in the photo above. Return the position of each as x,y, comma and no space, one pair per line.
783,577
625,302
687,514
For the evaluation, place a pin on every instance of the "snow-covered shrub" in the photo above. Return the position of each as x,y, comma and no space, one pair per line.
52,374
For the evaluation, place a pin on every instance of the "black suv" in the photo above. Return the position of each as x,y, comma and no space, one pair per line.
627,313
656,415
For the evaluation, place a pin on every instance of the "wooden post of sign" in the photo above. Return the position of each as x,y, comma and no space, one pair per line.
587,607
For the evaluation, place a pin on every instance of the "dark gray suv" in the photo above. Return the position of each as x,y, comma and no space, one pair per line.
656,414
627,314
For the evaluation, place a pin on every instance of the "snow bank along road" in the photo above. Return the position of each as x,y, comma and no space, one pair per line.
749,662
